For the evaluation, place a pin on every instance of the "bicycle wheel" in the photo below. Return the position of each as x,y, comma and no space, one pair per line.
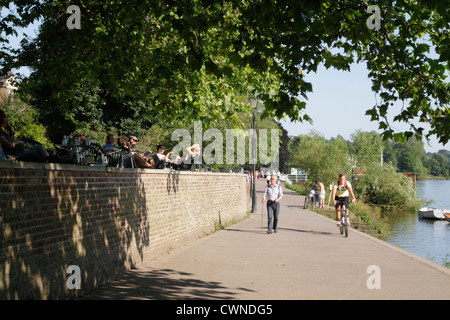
305,205
343,221
344,217
346,226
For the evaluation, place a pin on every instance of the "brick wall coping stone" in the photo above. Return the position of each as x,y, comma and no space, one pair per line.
83,168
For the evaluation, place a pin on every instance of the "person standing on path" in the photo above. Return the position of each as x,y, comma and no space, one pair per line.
273,193
321,194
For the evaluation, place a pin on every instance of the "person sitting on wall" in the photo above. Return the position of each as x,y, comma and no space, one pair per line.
143,160
160,159
12,146
123,143
132,141
124,146
3,156
110,141
185,163
79,138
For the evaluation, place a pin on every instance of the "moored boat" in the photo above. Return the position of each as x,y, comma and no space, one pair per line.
432,213
447,216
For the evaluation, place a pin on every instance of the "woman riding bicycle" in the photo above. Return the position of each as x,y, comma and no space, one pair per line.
340,194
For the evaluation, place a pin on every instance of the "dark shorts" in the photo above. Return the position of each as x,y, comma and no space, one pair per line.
340,200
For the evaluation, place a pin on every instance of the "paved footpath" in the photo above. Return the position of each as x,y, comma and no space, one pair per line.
306,259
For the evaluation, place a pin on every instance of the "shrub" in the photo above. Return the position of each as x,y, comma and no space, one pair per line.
384,187
23,119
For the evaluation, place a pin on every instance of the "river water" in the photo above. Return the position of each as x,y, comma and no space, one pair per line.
427,238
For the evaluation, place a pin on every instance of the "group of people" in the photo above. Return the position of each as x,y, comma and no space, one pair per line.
12,148
159,160
273,193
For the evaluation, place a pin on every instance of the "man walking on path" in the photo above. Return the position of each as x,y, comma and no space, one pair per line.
274,193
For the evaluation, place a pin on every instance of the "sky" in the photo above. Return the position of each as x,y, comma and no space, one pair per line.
338,104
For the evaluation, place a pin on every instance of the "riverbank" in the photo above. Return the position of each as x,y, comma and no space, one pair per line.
434,178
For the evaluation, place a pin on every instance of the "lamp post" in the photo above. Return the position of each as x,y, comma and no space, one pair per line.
254,103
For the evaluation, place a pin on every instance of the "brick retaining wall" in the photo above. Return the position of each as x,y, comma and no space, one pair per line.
104,220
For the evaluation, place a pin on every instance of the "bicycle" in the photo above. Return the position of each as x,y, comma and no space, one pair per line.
344,219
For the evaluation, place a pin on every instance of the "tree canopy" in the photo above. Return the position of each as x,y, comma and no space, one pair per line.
187,60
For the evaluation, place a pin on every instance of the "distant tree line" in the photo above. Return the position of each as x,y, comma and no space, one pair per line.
411,157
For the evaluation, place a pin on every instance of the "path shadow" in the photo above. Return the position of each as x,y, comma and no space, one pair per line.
299,206
164,284
257,230
307,231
